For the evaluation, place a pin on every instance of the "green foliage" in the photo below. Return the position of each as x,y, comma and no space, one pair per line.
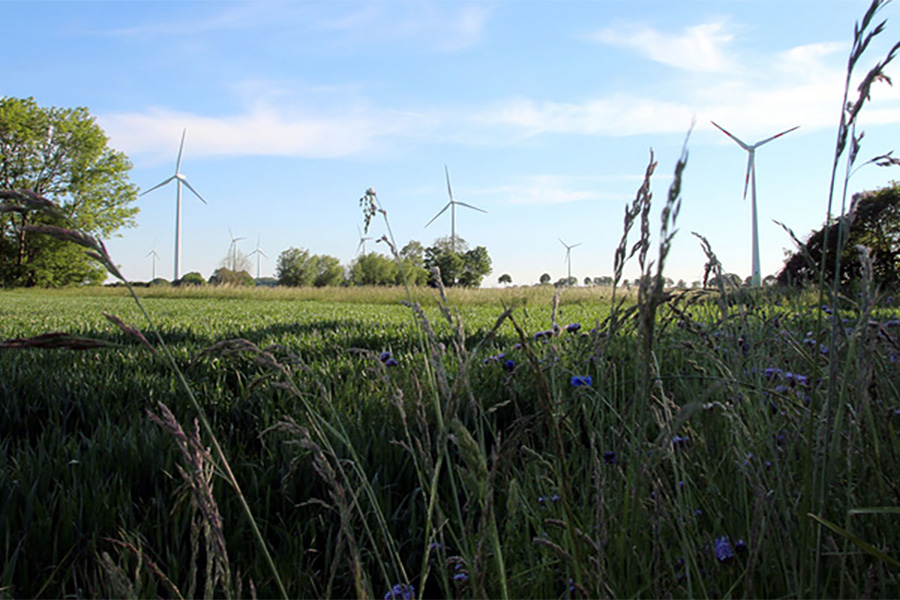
873,222
329,271
61,154
458,265
298,268
223,276
374,269
295,268
192,279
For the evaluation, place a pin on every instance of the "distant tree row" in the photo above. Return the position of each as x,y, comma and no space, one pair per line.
413,265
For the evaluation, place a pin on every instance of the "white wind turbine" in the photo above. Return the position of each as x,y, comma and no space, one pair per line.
750,180
258,252
569,258
181,180
155,258
452,206
362,241
232,250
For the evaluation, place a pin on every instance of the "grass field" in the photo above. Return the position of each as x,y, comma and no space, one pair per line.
445,467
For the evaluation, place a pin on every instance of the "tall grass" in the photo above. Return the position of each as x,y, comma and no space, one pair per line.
523,442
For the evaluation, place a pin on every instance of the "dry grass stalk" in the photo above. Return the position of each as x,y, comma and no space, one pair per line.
54,340
198,476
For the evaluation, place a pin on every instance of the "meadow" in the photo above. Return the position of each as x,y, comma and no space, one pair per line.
380,446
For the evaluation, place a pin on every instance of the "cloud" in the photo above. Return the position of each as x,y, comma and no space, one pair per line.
697,48
263,130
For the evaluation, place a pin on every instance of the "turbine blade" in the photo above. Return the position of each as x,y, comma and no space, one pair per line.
158,185
562,242
470,206
449,191
740,143
180,149
192,189
443,210
778,135
750,167
576,245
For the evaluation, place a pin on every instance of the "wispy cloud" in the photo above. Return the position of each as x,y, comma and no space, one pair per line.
698,48
262,130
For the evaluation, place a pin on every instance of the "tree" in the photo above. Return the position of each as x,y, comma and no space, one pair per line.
463,266
505,279
374,269
295,268
545,279
873,222
588,281
192,278
328,271
224,276
61,154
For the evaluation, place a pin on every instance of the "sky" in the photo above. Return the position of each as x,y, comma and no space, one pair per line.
544,113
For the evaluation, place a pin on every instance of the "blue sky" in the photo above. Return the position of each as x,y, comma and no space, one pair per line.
544,112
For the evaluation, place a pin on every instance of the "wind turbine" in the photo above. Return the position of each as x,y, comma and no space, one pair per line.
155,258
181,180
362,241
750,180
452,206
232,250
569,258
258,252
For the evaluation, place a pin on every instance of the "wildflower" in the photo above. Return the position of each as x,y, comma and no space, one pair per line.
391,362
573,327
609,457
724,551
401,591
740,545
510,365
826,309
582,380
385,356
680,442
461,577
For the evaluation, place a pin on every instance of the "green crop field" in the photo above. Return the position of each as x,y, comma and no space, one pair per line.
472,460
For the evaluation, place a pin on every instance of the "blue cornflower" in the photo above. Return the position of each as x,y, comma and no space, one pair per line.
680,442
401,591
391,362
384,356
510,365
740,545
724,551
582,380
609,457
461,577
573,327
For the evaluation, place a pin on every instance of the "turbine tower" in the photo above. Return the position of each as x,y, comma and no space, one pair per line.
569,258
232,250
258,252
452,206
155,258
750,180
362,241
181,179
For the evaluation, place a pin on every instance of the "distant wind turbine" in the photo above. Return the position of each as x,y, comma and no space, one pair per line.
258,252
181,180
569,258
155,258
232,250
362,241
750,180
452,206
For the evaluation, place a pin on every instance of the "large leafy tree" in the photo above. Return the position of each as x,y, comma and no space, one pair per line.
374,269
296,267
872,222
63,155
462,267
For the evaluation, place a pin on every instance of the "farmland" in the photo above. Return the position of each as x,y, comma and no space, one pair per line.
378,446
